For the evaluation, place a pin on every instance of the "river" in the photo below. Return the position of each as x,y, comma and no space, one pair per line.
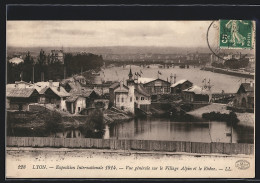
229,84
164,129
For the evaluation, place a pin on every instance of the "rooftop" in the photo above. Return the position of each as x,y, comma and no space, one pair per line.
197,90
20,92
178,83
248,87
141,90
145,80
60,91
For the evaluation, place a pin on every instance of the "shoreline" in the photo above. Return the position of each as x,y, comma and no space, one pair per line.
246,119
229,72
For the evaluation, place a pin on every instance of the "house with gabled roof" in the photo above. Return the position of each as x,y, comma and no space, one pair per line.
20,98
54,95
157,86
244,97
81,99
179,86
196,94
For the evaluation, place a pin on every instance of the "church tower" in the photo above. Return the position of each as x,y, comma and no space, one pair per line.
130,81
131,93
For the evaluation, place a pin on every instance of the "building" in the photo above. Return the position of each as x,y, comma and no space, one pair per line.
80,79
124,97
54,95
196,94
130,96
181,85
20,98
75,104
142,98
244,97
57,56
157,86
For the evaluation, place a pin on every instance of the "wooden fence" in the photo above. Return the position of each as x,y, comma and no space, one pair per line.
142,145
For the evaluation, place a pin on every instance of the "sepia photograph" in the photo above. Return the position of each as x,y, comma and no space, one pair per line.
130,99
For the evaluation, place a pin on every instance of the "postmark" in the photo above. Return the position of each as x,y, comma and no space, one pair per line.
242,164
236,34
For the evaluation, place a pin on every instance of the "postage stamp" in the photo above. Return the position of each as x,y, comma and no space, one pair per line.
236,34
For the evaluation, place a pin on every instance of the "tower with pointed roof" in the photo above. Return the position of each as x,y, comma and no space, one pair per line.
130,80
131,93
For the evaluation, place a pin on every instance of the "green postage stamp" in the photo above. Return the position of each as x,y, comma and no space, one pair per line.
236,34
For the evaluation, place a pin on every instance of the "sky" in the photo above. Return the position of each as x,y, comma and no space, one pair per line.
107,33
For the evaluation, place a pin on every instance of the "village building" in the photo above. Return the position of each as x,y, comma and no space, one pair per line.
157,87
80,99
142,98
55,96
80,79
75,104
178,87
20,98
57,56
124,97
244,97
130,96
196,94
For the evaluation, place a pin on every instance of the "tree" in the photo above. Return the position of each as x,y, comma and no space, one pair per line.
86,61
94,126
41,66
53,123
27,67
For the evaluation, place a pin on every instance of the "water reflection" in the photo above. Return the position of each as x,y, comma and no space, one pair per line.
158,129
164,129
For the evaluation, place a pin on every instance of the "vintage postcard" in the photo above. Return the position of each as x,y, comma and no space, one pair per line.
130,99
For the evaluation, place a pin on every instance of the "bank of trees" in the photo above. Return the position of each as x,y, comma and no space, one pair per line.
44,67
232,63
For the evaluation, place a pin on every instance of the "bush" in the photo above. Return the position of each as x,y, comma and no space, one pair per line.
94,126
213,116
53,123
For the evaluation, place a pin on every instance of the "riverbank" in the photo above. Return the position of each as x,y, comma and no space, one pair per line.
244,118
229,72
102,163
113,115
49,123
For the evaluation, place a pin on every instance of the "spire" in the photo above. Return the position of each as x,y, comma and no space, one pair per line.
130,74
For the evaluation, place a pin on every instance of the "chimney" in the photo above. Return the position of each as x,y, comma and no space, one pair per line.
50,83
58,88
174,78
121,84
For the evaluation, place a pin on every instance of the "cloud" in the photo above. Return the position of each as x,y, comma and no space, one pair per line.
106,33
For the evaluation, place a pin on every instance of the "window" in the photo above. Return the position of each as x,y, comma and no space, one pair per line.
78,108
122,99
130,99
142,98
136,98
118,99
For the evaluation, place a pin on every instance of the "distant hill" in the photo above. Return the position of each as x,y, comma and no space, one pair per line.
120,50
113,49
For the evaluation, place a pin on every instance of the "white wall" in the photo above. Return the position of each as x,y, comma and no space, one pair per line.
63,104
80,102
147,100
